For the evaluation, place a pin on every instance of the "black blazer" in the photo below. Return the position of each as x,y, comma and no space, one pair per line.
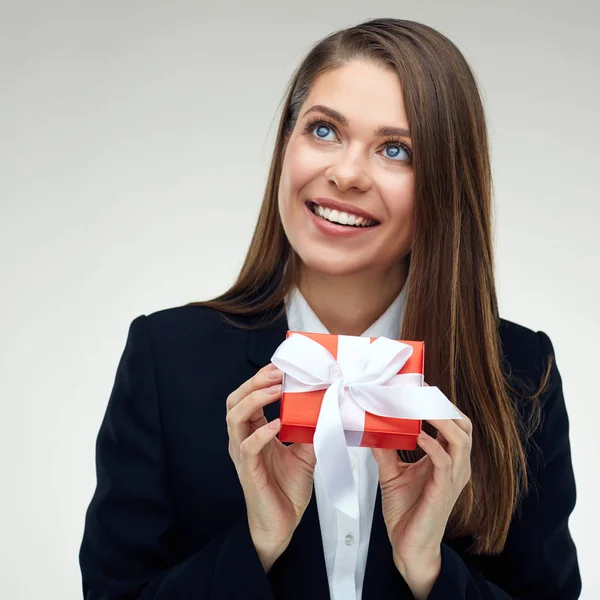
168,519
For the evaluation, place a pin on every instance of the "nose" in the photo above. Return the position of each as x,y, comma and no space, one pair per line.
349,171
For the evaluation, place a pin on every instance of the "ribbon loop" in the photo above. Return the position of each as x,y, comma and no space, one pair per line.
364,378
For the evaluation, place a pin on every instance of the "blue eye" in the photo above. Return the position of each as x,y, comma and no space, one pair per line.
395,150
322,130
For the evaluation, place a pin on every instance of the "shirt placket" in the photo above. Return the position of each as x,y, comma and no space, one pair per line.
346,552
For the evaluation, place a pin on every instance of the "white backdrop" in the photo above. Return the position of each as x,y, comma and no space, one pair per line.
134,144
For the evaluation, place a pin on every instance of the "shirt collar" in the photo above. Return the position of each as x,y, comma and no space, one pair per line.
301,317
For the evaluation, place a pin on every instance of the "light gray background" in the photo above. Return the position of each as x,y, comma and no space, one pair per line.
134,144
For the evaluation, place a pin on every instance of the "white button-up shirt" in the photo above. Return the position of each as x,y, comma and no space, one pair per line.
346,541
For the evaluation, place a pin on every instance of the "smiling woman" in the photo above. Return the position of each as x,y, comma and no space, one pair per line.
376,222
345,154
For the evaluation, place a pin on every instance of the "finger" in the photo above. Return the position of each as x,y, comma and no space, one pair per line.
248,414
388,463
465,423
264,378
249,410
442,463
441,440
253,445
457,440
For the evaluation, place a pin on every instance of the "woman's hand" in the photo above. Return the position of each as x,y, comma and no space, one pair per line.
277,480
418,498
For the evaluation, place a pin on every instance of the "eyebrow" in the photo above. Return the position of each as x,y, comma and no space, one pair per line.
384,131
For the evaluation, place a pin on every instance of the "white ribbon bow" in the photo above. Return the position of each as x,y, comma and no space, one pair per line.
364,378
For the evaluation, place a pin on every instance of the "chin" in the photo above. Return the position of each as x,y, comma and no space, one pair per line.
340,266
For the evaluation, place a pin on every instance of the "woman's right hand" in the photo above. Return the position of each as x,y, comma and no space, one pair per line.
277,480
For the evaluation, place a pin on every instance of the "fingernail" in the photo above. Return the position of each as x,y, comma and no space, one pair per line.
274,373
274,389
274,424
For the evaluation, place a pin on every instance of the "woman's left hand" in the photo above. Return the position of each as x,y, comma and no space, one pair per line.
418,498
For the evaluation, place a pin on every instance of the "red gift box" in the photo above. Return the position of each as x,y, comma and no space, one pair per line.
300,410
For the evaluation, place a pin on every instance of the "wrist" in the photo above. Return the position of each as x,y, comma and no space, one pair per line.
268,552
420,572
266,560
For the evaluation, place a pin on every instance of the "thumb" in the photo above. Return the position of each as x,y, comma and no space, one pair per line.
388,462
306,452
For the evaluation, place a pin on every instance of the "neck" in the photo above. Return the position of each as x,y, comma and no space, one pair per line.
348,305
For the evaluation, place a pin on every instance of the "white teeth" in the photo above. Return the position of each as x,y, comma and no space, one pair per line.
343,218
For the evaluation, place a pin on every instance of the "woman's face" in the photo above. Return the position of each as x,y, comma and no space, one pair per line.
341,164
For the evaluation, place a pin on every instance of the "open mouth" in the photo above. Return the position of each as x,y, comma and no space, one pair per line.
343,219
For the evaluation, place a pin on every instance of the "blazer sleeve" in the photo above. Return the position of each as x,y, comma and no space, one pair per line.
539,560
126,552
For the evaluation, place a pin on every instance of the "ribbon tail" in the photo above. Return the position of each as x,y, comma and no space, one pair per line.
405,402
332,454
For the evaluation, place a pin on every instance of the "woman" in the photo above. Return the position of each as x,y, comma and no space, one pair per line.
376,221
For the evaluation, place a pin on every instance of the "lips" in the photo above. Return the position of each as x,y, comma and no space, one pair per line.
341,218
346,207
330,227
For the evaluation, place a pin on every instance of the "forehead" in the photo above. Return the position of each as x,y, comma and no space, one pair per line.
364,93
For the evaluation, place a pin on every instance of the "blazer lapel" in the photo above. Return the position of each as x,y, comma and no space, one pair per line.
300,572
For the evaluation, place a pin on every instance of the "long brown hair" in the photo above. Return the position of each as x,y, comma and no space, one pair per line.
451,304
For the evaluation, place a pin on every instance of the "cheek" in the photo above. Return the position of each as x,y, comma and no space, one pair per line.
399,198
302,164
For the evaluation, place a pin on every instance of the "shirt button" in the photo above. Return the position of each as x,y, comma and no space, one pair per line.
349,539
